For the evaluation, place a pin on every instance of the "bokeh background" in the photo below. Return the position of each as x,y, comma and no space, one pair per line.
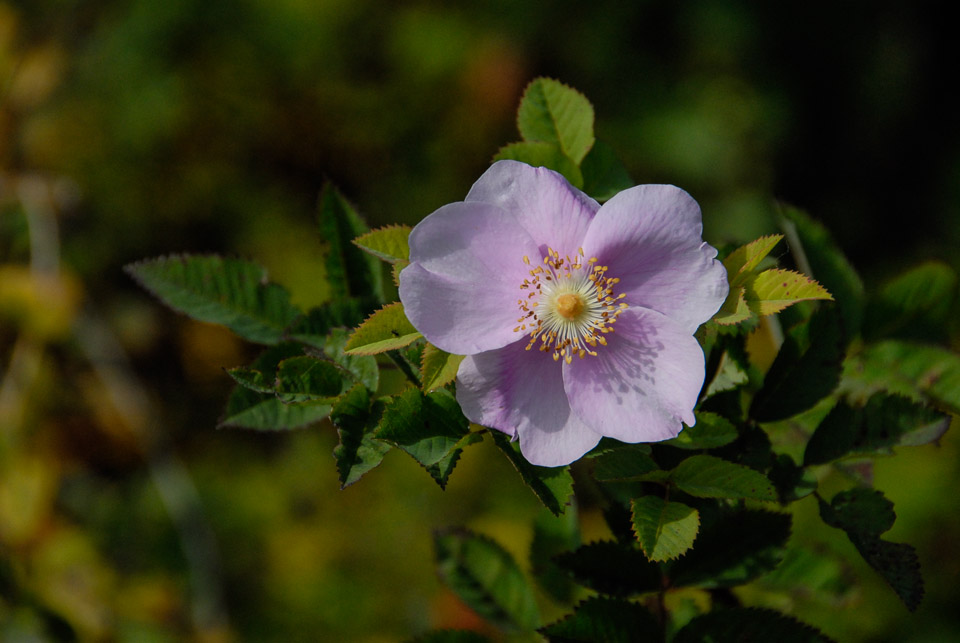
135,128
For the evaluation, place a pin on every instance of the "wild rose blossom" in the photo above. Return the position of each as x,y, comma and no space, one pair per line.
577,319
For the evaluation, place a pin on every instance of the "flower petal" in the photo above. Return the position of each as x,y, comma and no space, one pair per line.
521,392
462,285
554,212
650,238
643,383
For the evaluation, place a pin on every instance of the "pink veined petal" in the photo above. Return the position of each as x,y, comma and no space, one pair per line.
520,392
555,213
643,383
462,285
650,238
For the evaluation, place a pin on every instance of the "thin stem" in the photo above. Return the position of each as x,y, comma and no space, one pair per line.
404,366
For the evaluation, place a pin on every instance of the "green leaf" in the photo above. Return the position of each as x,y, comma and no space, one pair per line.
385,330
441,470
710,431
218,290
552,485
921,372
917,304
314,327
612,568
359,368
627,462
792,482
388,243
885,422
742,262
438,368
486,578
252,379
552,537
818,256
748,624
609,620
665,529
355,418
706,476
799,378
540,154
350,271
603,173
555,113
735,308
248,409
307,379
733,548
773,290
427,426
451,636
864,514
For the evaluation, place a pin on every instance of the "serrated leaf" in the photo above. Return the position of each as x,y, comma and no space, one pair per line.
350,271
358,452
916,304
612,568
385,330
218,290
627,462
921,372
307,379
552,537
427,426
451,636
799,378
864,514
359,368
314,327
733,548
438,368
486,578
734,309
252,379
441,470
748,624
609,620
710,431
773,290
603,173
555,113
388,243
885,422
665,529
741,263
819,256
542,154
792,482
552,485
248,409
706,476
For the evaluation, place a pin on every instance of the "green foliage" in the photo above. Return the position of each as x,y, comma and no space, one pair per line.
552,485
773,290
438,368
388,243
356,417
603,173
711,430
613,568
214,289
385,330
604,619
666,529
748,624
706,476
915,305
551,112
350,272
307,379
541,153
554,536
487,578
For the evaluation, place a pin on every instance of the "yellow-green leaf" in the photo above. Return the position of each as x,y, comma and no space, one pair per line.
741,262
438,368
388,243
552,112
665,529
773,290
386,329
734,309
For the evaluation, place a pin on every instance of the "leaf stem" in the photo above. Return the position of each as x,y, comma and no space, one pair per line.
404,366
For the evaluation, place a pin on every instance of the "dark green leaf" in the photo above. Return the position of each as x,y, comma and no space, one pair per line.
555,113
427,426
792,482
350,271
710,431
603,173
359,368
899,565
609,620
706,476
248,409
626,462
733,548
915,305
665,529
748,624
552,485
357,452
799,378
486,578
441,470
253,379
218,290
859,511
307,379
541,154
313,328
553,535
612,568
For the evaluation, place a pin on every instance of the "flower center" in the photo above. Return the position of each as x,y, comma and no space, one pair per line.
570,305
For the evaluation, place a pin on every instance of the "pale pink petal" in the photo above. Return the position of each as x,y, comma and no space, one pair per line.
462,285
554,212
643,383
521,392
650,238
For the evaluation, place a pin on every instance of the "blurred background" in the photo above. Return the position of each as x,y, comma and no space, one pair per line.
135,128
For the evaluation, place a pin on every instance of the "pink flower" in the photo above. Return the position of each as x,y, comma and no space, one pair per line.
577,319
